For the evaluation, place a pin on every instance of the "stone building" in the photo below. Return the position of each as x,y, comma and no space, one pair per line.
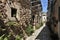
36,8
22,10
49,9
55,15
44,17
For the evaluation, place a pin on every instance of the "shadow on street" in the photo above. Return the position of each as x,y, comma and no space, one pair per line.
46,34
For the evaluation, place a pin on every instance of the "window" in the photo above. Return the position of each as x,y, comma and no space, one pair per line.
33,17
44,17
13,12
33,4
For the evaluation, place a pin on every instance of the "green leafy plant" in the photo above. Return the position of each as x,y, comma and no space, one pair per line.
29,30
6,38
1,37
18,37
41,24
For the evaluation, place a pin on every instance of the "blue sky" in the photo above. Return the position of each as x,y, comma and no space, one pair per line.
44,5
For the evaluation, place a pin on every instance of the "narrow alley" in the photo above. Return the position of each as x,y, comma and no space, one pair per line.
29,19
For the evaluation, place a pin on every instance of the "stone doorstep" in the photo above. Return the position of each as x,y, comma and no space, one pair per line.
35,34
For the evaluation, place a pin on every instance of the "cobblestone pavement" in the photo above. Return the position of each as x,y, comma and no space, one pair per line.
44,34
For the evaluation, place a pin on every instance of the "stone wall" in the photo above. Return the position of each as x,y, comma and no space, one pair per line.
54,14
23,11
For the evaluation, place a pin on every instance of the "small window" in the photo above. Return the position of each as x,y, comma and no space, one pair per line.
44,17
13,12
33,17
33,4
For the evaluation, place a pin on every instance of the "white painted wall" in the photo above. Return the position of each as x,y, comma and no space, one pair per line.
44,18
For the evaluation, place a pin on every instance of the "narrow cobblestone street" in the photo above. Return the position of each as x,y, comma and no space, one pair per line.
29,19
44,34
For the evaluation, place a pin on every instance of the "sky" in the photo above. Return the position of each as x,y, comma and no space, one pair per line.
44,5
